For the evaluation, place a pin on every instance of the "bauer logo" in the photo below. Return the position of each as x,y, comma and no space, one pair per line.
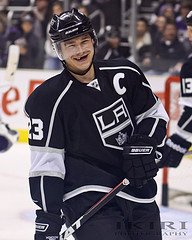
52,237
41,227
114,123
71,31
134,150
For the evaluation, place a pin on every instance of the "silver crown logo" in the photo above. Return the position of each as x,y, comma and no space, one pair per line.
122,138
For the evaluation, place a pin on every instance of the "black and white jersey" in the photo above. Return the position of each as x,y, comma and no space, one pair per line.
77,130
184,126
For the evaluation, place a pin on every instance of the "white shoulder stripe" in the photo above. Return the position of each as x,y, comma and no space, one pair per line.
103,189
54,111
47,173
147,85
120,67
185,101
157,111
47,149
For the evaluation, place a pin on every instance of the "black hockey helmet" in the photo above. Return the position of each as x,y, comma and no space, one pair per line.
188,19
68,25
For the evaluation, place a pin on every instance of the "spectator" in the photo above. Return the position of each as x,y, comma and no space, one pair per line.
168,52
41,19
94,10
112,47
41,13
3,42
143,44
28,43
8,34
51,61
83,9
174,3
157,28
186,7
167,11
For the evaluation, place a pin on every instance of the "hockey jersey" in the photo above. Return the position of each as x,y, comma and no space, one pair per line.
77,131
184,126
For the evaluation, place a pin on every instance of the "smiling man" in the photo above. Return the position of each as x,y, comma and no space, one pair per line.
91,126
78,54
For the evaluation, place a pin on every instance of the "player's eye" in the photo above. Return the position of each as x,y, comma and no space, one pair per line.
85,40
71,45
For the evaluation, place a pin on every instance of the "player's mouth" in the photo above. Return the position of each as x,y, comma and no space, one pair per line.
81,59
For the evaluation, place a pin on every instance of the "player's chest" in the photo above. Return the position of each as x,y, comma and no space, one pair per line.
105,111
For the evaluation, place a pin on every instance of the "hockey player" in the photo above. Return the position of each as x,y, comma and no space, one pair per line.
89,127
179,143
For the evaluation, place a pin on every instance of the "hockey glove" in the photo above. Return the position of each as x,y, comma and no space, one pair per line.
47,226
139,160
7,137
173,151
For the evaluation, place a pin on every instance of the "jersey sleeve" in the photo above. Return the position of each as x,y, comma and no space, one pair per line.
186,84
46,140
151,117
184,125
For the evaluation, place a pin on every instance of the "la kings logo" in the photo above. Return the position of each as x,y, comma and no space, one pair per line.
113,123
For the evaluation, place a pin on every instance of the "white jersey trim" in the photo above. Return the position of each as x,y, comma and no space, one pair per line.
46,149
49,174
154,127
97,188
185,101
54,112
48,162
120,67
108,54
157,111
148,86
182,133
43,194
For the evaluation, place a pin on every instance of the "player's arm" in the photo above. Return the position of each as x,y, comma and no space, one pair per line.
179,143
151,117
47,170
184,126
142,148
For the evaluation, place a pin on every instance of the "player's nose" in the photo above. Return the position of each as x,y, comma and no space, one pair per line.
79,49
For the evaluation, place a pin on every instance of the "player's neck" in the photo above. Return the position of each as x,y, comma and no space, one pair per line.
88,77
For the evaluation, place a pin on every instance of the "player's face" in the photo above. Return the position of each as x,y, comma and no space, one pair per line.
189,33
78,53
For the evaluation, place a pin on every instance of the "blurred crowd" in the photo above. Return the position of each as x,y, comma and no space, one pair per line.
161,43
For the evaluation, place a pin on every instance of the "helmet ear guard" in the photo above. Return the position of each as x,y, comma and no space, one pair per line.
57,49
